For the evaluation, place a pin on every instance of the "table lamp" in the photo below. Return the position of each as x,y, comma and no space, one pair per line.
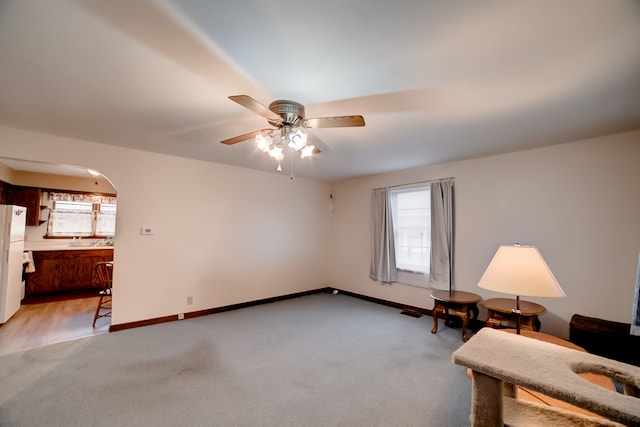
521,271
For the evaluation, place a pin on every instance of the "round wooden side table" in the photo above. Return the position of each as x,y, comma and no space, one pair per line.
458,303
499,309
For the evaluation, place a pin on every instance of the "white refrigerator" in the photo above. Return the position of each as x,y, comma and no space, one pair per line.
12,229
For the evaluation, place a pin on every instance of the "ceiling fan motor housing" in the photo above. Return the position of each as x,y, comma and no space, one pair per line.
285,116
291,113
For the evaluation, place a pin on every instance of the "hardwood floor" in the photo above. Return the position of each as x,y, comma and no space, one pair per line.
38,324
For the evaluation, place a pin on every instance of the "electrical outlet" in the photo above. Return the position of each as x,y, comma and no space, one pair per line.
189,300
180,316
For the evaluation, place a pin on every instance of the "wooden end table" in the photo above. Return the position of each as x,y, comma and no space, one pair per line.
458,303
499,309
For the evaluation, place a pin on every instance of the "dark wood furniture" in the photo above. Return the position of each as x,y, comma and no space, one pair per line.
501,309
605,338
103,275
458,303
29,197
65,270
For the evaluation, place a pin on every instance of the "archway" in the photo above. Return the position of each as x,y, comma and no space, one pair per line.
45,317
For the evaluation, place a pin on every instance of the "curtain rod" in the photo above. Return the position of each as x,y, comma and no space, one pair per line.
417,182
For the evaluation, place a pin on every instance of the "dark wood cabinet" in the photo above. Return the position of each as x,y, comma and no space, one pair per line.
4,193
29,197
65,270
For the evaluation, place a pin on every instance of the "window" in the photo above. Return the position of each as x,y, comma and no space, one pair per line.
81,215
401,218
411,215
106,219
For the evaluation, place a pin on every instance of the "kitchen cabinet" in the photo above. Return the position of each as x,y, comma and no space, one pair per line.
29,197
65,270
4,192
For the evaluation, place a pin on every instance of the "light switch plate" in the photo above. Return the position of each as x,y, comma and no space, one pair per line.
146,230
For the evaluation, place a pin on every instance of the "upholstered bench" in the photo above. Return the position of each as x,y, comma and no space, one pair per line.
500,362
539,398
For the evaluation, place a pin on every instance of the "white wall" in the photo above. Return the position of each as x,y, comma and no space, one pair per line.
6,173
577,202
238,235
231,235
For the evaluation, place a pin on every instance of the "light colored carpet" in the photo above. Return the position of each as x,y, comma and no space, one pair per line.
318,360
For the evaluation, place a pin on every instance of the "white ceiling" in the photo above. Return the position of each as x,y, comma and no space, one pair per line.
436,81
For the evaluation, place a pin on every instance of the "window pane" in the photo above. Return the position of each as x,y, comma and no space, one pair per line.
412,228
108,208
106,224
69,223
73,206
81,215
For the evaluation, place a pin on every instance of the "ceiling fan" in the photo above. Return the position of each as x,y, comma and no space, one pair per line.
286,117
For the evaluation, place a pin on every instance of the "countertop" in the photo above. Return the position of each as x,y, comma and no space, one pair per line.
62,247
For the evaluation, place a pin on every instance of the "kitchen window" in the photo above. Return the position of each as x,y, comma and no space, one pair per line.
81,215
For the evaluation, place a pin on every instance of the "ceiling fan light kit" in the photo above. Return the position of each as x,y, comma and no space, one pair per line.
287,117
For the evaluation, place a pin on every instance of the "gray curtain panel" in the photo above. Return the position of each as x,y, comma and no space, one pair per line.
442,233
383,252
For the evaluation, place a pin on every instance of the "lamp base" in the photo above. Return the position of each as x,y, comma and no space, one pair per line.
518,314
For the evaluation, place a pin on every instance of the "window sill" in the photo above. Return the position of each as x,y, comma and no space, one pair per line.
76,237
413,279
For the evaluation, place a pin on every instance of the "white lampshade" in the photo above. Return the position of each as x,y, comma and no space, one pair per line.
520,270
297,140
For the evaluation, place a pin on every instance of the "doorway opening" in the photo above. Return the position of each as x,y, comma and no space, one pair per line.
58,295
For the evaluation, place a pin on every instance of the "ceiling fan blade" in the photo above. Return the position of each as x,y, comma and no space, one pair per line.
426,99
253,105
334,122
244,137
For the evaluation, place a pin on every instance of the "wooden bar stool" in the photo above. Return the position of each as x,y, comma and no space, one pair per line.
103,274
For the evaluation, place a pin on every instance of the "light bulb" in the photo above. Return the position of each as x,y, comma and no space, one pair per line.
297,140
307,151
276,152
263,142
